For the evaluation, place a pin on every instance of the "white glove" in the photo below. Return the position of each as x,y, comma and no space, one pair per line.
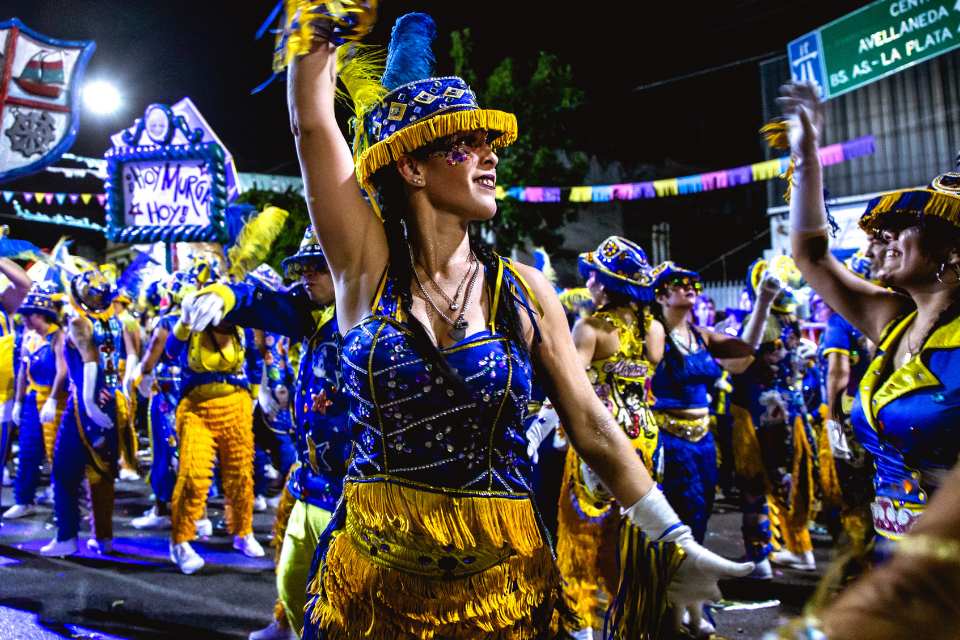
696,580
838,440
90,405
186,309
268,404
770,284
130,374
146,384
547,420
206,309
807,349
17,411
48,412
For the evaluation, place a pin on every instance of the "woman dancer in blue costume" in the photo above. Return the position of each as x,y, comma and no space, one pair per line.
907,407
87,438
683,385
40,383
158,380
436,534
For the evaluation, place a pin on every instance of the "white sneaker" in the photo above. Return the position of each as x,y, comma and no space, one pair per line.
763,571
792,560
270,472
186,558
259,504
274,502
150,520
103,547
57,548
20,511
274,632
204,528
248,546
128,474
7,480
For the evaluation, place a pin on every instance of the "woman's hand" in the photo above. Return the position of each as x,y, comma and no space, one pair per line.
769,288
803,111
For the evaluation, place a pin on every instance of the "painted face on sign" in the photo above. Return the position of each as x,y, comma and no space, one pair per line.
157,125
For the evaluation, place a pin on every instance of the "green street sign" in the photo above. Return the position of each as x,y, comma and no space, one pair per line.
876,41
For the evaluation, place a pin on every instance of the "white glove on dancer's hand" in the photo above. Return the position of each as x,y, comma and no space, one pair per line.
130,373
16,413
90,405
696,579
48,412
206,309
544,424
838,440
145,387
268,404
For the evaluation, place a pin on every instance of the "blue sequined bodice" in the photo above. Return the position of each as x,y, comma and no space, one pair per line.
410,422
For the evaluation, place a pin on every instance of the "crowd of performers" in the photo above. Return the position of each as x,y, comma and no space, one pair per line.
412,386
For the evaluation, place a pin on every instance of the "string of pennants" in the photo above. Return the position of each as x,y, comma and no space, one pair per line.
832,154
48,198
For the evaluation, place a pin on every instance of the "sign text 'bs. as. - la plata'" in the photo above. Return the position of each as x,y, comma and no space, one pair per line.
874,42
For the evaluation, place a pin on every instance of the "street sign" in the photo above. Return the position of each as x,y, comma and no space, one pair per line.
874,42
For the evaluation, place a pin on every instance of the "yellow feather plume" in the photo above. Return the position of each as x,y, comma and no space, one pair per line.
360,68
776,135
254,241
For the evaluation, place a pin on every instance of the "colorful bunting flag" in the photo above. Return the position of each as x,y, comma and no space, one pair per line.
689,184
61,197
666,187
740,175
7,195
551,194
581,194
831,155
27,197
74,197
101,198
601,194
714,180
48,198
766,170
86,197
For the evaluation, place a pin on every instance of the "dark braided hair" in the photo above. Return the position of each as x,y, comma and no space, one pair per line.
397,224
617,300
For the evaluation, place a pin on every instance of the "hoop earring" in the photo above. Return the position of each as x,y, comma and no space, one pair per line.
943,269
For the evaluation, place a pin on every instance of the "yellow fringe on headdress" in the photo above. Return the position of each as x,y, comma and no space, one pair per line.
777,137
254,241
298,31
926,202
359,595
420,133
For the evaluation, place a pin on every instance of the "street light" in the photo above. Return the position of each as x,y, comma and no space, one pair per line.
101,98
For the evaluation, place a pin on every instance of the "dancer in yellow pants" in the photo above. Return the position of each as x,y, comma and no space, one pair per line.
214,419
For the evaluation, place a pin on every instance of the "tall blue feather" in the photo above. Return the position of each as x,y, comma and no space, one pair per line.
410,54
132,276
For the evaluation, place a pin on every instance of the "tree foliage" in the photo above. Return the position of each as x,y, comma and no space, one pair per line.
538,93
290,236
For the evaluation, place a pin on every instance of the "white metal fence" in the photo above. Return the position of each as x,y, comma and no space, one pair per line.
725,295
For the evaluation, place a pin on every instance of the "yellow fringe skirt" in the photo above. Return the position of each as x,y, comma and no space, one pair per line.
408,561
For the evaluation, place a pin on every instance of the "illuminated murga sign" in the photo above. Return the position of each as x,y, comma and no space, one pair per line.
165,183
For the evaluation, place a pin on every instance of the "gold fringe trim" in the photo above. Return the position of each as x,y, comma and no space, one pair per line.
585,550
776,135
364,601
911,201
444,517
425,131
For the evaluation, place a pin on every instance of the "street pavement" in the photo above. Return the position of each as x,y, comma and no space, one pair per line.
138,593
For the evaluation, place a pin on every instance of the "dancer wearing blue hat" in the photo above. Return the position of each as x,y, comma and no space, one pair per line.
39,393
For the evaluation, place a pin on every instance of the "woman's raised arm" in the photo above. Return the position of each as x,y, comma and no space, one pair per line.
349,231
866,306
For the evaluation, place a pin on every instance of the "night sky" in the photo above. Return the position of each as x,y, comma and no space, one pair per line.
161,51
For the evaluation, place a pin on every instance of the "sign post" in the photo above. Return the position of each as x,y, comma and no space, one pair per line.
164,184
874,42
